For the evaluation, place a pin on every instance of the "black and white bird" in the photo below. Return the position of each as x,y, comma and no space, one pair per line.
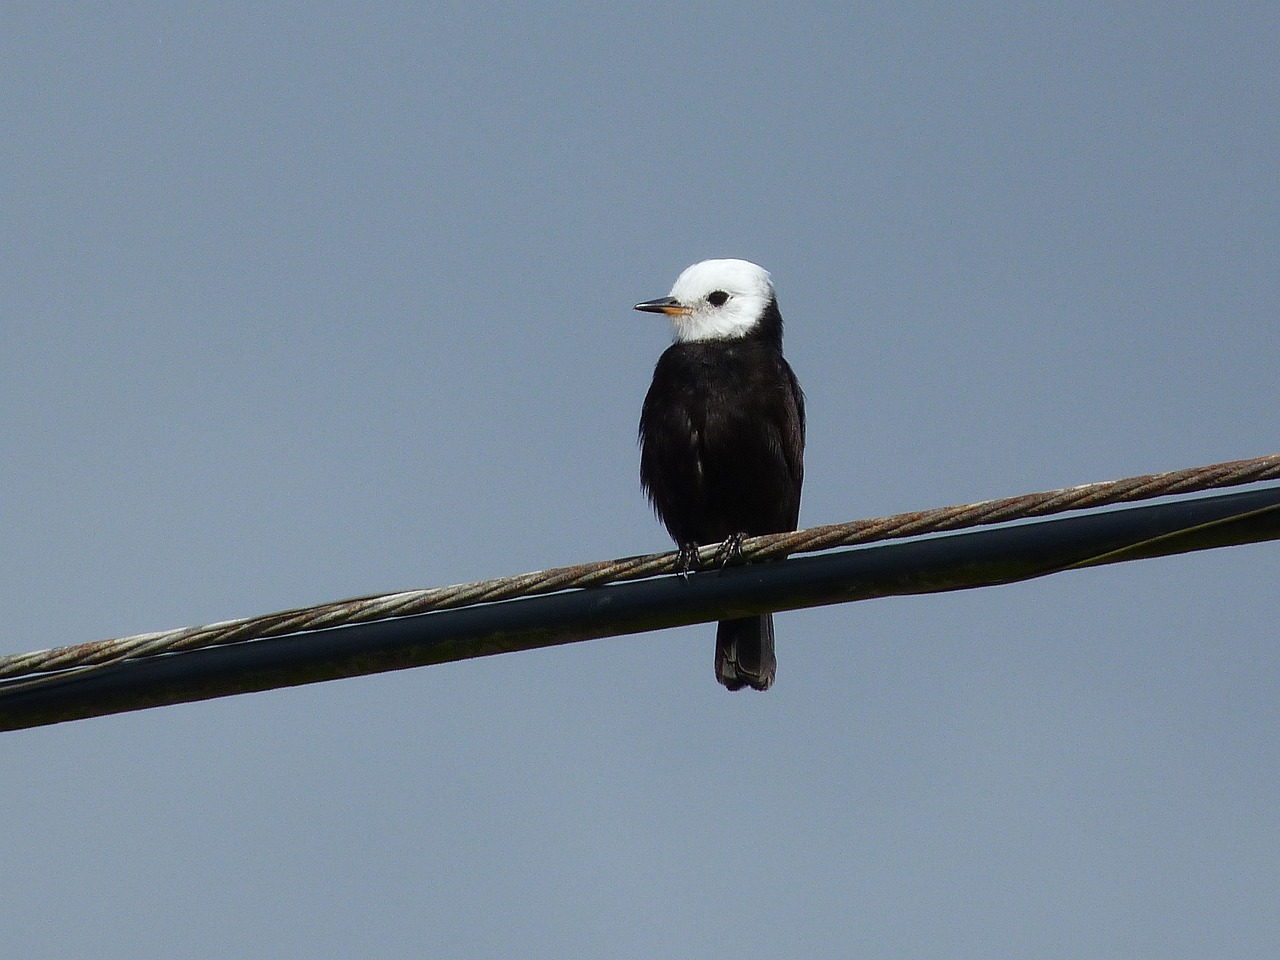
722,434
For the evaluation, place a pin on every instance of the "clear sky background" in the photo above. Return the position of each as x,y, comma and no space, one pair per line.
307,301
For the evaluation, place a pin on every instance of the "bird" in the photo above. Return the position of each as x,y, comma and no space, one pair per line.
722,432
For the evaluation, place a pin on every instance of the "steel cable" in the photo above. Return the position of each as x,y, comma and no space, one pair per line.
15,669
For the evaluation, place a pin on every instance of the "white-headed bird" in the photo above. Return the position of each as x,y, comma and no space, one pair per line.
722,435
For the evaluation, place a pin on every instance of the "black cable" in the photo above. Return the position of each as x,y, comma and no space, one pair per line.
926,565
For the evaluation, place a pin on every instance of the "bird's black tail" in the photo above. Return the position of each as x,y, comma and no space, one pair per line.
744,652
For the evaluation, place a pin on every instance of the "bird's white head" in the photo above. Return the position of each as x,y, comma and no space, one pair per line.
716,300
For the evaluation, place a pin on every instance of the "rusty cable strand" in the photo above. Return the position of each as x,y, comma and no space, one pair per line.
771,547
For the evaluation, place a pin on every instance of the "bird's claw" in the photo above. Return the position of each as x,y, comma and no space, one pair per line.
687,559
730,551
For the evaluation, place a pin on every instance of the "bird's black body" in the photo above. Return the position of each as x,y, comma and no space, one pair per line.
722,445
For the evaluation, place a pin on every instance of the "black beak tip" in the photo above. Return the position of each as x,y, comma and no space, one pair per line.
656,306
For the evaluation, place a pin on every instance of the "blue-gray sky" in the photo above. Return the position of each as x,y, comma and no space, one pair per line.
302,302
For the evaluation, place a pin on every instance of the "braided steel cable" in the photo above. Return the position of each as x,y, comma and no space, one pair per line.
21,669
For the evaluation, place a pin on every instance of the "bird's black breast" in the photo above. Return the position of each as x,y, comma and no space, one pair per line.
722,440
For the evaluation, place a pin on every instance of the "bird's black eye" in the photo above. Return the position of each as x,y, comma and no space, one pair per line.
717,298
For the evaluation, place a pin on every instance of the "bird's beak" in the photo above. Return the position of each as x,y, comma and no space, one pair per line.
667,305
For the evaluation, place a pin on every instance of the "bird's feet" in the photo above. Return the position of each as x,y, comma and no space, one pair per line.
687,559
730,551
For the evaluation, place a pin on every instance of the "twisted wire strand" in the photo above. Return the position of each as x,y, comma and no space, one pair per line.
14,668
